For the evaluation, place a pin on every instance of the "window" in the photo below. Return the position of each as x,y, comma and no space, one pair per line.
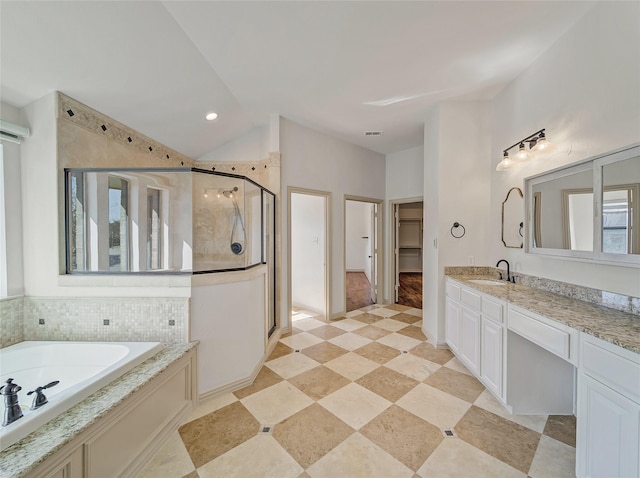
3,234
77,231
154,229
118,224
617,219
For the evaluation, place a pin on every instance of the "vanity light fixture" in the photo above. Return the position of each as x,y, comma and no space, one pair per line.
537,143
211,116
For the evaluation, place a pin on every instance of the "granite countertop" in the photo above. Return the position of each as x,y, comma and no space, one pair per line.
614,326
23,456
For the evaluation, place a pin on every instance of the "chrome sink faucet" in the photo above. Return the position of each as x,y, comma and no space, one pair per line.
509,278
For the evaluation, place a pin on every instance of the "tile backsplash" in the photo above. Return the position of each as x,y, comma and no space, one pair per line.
154,319
11,313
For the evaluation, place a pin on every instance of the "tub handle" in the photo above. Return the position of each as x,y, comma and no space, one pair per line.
40,398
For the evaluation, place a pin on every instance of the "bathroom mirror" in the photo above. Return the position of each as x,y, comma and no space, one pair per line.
620,208
588,210
512,219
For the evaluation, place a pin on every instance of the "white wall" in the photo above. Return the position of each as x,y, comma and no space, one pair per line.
251,146
586,91
313,160
404,179
308,252
229,321
404,174
13,206
358,225
457,188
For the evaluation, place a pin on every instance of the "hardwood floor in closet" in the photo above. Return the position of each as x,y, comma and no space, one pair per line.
358,291
410,292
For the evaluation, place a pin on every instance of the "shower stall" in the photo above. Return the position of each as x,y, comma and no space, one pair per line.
168,221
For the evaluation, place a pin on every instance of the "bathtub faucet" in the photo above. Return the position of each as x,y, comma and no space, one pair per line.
12,410
40,399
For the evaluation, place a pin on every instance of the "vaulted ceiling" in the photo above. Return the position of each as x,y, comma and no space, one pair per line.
339,67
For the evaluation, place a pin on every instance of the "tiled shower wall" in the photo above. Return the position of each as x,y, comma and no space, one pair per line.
95,319
11,313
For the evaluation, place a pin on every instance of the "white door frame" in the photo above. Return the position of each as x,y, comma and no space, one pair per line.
327,251
379,277
392,240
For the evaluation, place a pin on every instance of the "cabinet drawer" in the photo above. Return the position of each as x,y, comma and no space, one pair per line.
606,363
546,336
470,298
492,310
453,290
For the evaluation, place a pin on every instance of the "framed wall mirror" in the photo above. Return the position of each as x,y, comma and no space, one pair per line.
512,219
589,210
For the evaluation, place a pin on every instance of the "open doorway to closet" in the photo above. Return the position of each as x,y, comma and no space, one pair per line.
308,254
362,258
407,247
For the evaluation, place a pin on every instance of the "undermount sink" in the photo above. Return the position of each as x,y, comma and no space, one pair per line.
487,282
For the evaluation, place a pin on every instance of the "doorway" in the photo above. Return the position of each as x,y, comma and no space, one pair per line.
308,254
362,258
407,240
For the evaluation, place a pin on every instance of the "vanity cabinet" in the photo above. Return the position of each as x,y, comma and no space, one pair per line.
475,333
452,331
470,339
491,346
608,414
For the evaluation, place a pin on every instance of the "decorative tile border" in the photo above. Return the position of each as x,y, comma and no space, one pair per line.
11,328
612,300
150,319
85,117
258,171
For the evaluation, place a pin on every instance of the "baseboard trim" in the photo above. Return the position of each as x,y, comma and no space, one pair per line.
232,386
245,382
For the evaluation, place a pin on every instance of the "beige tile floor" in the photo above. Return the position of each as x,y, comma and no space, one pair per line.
366,396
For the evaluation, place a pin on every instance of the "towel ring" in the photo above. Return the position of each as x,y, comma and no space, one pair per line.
455,226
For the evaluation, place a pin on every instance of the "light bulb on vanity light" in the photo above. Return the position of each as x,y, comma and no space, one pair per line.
506,162
543,145
522,155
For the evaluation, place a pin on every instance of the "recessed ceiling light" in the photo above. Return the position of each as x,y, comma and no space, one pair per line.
211,116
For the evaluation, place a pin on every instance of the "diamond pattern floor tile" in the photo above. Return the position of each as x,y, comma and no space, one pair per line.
324,351
403,435
332,411
455,383
291,365
354,405
505,440
350,340
387,383
276,403
352,366
311,433
358,457
215,434
319,382
251,459
378,352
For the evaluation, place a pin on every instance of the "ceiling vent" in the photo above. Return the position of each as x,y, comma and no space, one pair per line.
373,133
12,132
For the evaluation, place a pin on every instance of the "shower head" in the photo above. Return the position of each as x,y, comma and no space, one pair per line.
229,193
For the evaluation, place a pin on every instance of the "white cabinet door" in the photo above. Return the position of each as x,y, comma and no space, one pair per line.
491,356
607,443
469,346
452,329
